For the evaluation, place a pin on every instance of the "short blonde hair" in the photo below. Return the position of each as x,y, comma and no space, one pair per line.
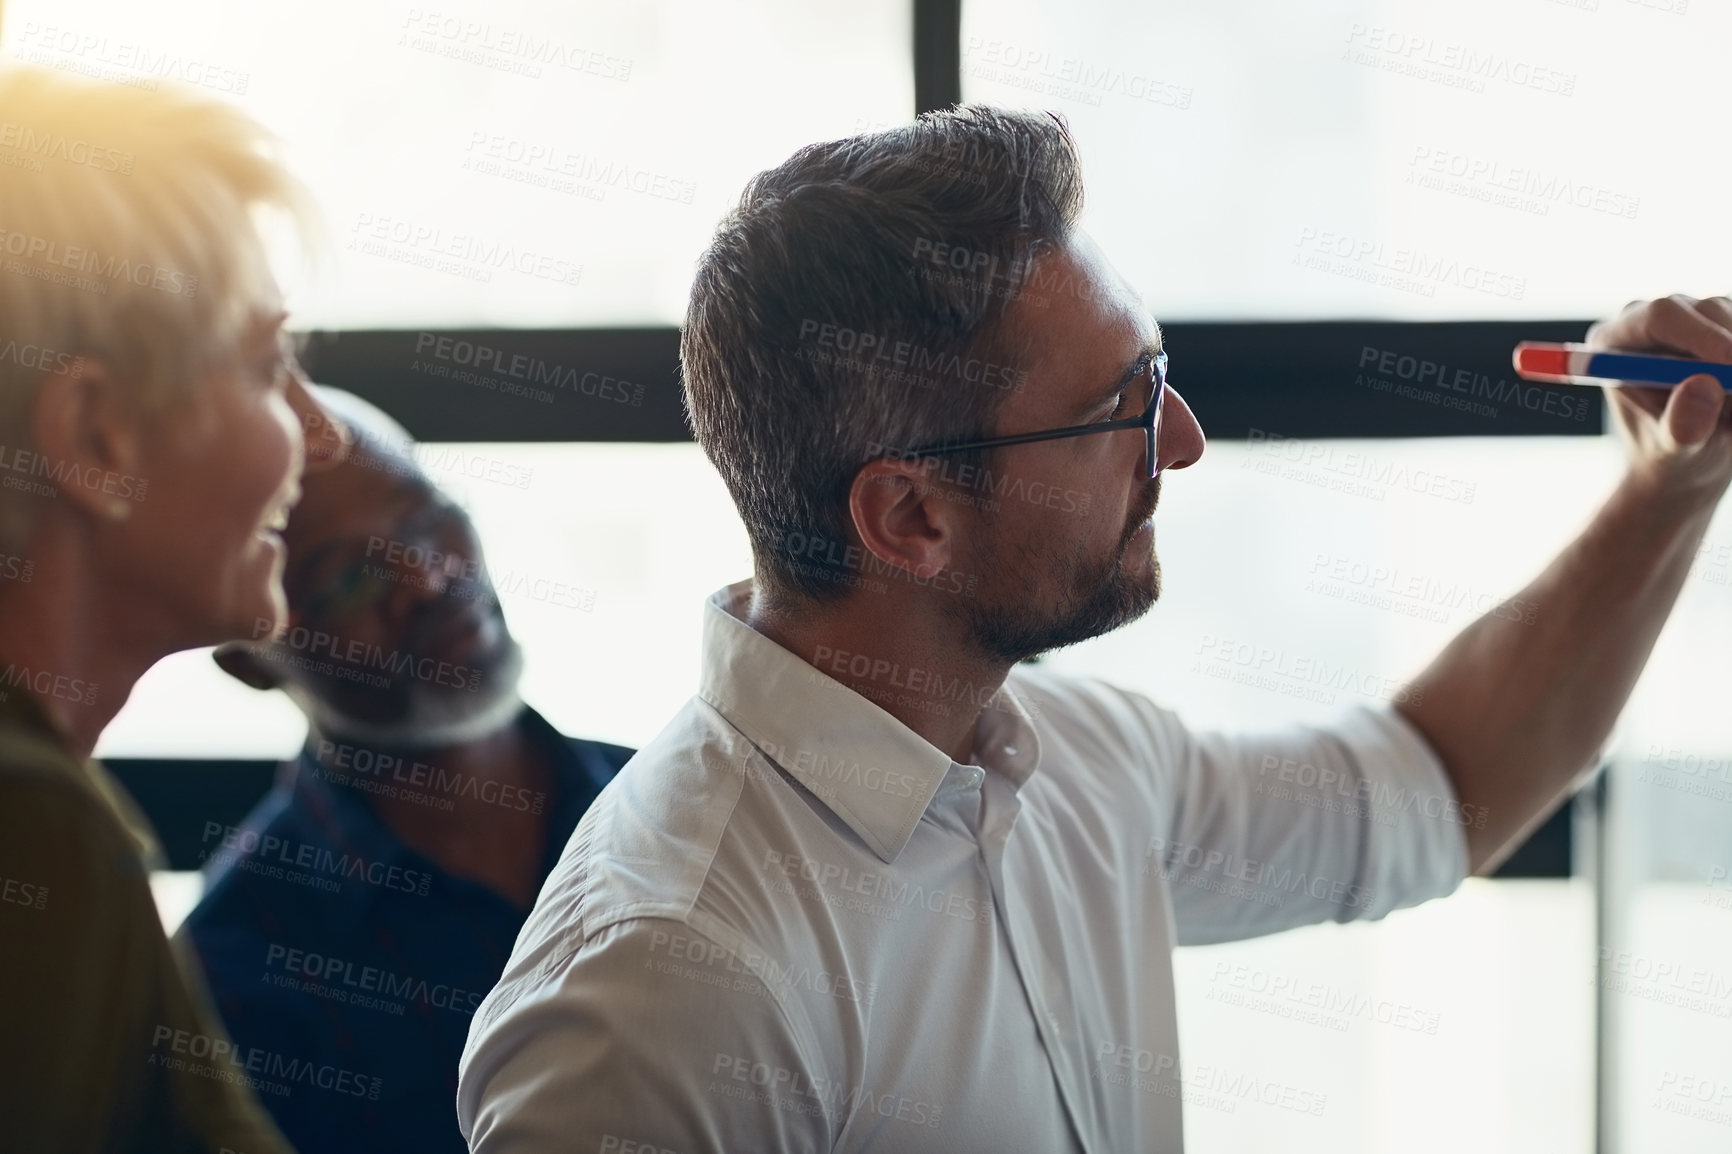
129,232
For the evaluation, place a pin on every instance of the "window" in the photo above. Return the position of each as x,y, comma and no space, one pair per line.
521,164
1250,159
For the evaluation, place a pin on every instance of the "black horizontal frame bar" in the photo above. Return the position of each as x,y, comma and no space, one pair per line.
512,384
185,797
1289,378
1373,379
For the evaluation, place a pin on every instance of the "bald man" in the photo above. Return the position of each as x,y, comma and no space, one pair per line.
368,904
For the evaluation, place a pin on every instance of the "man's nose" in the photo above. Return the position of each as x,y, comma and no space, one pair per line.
1181,441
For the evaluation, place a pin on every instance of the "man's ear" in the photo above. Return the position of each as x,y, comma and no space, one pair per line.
243,663
901,516
85,424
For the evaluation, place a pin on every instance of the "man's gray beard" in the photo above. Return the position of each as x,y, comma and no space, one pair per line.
437,717
1012,619
1011,632
1012,625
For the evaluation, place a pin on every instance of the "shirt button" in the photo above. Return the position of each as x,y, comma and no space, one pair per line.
1052,1020
974,778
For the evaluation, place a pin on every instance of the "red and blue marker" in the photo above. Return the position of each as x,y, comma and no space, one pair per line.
1570,364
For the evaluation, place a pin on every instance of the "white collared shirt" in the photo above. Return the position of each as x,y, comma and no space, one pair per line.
792,924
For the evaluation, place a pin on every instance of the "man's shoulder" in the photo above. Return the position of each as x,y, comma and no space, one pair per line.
647,840
678,837
641,857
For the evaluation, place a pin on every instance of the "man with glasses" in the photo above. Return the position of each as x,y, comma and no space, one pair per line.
880,886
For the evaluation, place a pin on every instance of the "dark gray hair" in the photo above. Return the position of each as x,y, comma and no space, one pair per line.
849,308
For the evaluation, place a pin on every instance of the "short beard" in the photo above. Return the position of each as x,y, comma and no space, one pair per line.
1099,597
436,718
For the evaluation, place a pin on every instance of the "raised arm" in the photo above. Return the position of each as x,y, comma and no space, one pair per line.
1518,710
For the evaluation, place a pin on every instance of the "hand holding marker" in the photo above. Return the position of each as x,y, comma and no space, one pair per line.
1571,364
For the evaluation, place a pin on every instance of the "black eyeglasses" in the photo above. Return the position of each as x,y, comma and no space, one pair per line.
1152,384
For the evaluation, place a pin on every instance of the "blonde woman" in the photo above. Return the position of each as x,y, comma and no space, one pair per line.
151,444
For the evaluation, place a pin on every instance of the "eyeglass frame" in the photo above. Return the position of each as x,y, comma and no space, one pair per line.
1149,421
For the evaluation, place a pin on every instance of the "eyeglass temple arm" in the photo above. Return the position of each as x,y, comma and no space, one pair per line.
1030,438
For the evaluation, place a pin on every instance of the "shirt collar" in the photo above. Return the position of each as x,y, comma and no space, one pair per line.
872,771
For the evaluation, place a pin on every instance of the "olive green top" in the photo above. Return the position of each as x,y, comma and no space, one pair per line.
108,1041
